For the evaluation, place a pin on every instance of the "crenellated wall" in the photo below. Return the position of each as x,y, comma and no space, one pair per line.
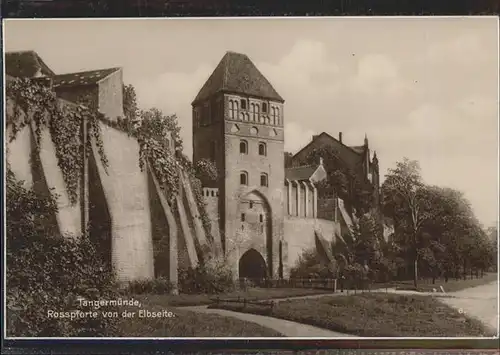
211,198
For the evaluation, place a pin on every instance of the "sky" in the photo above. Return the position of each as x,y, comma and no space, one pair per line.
422,88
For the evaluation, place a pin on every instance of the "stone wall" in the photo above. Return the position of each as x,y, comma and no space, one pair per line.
327,208
299,235
126,190
211,198
111,95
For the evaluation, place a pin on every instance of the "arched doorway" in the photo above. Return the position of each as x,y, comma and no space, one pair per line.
252,265
256,227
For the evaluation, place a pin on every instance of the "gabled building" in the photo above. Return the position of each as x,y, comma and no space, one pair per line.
356,158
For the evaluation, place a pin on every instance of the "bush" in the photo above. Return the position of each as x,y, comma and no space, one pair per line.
309,266
211,277
157,286
46,271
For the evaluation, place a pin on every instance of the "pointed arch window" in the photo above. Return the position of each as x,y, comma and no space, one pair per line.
243,147
243,178
264,107
243,104
262,149
273,114
263,179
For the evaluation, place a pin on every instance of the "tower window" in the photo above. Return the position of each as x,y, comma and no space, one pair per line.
255,112
262,149
244,178
243,217
233,108
243,147
261,218
264,107
263,179
243,104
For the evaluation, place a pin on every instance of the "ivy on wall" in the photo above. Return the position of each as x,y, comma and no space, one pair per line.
36,104
151,129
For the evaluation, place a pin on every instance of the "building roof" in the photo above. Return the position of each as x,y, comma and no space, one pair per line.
83,78
236,73
300,172
26,64
360,149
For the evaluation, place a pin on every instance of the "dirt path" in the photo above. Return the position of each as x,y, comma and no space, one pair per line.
480,302
285,327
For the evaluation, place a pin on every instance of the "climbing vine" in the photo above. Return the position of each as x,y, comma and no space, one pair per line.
154,149
167,159
35,104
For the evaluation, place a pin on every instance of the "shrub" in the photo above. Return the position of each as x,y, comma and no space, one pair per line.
310,266
46,271
211,277
158,286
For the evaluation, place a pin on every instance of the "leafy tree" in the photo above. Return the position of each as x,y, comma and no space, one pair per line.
403,200
48,272
130,108
206,171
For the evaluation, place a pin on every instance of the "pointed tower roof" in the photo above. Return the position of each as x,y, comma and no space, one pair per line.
236,74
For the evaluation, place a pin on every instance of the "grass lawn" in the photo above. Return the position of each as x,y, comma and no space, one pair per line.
205,299
192,324
451,286
187,324
374,314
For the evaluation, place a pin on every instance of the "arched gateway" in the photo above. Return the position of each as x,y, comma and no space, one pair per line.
252,265
256,237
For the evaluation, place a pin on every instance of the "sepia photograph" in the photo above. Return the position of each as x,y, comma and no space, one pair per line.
251,177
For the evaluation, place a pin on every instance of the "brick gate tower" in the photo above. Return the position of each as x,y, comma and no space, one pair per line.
238,124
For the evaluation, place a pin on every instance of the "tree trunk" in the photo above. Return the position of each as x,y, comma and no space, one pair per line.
415,271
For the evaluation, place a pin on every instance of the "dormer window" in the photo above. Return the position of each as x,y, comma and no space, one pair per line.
243,104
